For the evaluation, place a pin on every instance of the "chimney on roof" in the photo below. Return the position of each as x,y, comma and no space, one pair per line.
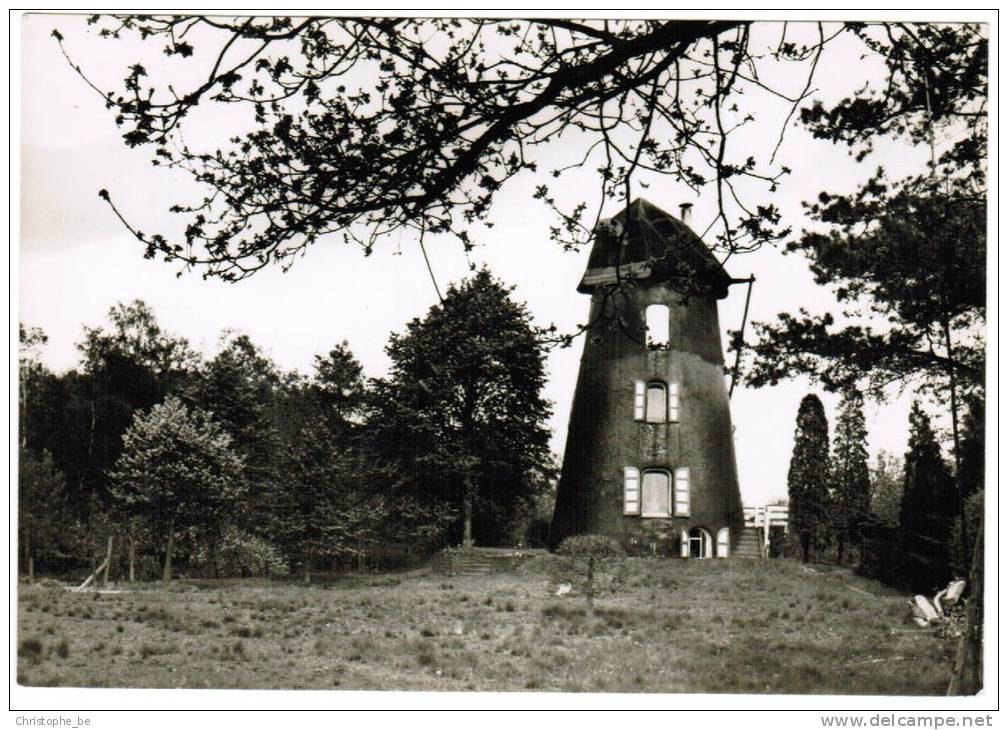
684,212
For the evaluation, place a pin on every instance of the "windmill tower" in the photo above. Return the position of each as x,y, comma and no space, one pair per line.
650,438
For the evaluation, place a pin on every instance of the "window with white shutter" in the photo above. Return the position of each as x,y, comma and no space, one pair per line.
673,402
656,402
684,544
656,494
631,491
722,542
638,402
682,493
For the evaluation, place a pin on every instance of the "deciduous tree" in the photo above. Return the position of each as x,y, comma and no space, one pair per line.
363,127
177,470
887,487
463,412
240,386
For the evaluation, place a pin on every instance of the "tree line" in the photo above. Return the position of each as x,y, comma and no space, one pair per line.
898,523
231,465
449,110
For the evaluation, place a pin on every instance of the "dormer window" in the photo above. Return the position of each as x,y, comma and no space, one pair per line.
656,318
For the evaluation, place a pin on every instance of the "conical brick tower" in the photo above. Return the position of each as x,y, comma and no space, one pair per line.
649,457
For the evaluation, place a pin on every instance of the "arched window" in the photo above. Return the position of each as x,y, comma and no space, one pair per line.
631,491
656,494
656,402
656,399
699,543
656,317
722,542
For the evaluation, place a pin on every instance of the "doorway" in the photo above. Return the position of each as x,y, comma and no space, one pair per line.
699,543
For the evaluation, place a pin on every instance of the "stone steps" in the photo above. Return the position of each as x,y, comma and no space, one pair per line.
749,544
480,561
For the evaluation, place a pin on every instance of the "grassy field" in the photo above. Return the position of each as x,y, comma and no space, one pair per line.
679,626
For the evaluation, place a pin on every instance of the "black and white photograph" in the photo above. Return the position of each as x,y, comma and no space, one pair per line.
557,361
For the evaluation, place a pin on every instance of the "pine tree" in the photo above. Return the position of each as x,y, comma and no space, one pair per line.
326,500
971,470
929,506
322,501
851,482
43,510
808,476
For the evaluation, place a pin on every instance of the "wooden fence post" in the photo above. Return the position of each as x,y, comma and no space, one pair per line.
108,561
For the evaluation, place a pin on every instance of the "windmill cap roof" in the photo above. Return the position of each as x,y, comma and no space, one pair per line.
644,242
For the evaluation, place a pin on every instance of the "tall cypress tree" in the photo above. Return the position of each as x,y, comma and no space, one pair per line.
929,506
809,475
851,480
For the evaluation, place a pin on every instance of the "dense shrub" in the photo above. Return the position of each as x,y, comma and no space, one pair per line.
537,532
243,555
784,544
654,538
590,564
882,554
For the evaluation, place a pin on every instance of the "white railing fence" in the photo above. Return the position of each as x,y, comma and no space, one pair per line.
765,517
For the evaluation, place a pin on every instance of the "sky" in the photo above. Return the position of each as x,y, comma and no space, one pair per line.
77,260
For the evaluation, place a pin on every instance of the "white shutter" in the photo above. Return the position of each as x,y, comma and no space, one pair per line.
638,401
684,544
673,402
631,491
722,542
682,492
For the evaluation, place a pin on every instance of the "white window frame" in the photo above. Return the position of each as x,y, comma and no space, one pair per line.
654,327
668,482
681,492
673,402
704,537
631,490
722,542
640,396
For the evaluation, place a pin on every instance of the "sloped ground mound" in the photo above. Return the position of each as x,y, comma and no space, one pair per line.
678,626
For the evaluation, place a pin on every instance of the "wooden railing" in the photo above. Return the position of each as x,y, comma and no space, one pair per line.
765,517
